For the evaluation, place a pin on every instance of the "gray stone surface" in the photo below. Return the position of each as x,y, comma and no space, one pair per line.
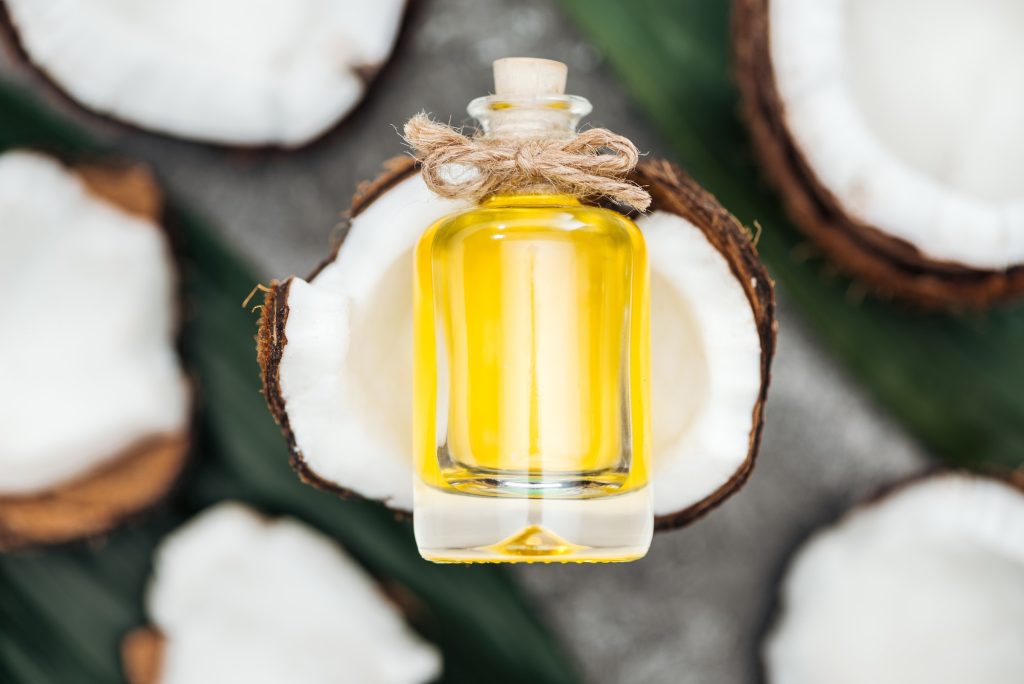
692,611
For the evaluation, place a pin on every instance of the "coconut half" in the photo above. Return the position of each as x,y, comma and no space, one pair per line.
336,348
892,131
233,72
95,408
924,585
239,598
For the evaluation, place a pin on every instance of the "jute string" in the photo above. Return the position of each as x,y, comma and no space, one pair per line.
594,163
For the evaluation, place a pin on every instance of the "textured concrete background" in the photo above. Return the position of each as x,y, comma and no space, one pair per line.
694,610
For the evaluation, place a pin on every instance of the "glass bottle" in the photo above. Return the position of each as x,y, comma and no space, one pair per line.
531,338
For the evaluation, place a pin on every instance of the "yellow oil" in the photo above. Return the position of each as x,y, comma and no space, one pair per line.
531,349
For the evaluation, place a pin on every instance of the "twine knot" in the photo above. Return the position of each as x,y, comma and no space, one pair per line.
594,163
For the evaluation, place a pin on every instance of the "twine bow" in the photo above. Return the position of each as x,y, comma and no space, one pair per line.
592,164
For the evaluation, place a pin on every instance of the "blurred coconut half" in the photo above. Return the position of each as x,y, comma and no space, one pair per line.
239,598
336,348
95,408
893,132
232,72
923,585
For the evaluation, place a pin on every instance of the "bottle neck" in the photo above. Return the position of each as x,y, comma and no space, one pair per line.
549,116
544,117
540,196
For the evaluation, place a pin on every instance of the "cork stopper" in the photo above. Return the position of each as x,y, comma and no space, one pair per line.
528,77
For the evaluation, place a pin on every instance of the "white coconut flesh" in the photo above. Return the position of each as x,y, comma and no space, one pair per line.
245,72
910,114
88,349
926,585
346,371
239,598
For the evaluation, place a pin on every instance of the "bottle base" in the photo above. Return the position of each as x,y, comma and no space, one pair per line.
454,527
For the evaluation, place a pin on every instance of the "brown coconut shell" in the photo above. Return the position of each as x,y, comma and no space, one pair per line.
142,652
11,45
887,265
671,190
131,481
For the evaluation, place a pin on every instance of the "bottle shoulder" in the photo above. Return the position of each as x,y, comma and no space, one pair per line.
534,220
